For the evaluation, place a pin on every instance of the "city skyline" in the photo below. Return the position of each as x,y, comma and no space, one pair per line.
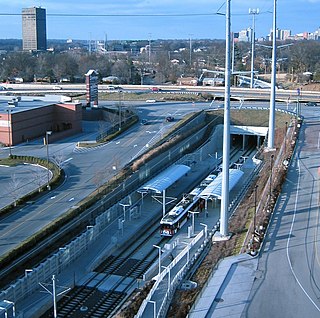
165,19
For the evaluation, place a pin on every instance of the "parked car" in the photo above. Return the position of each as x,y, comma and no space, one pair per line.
156,89
169,118
56,87
311,104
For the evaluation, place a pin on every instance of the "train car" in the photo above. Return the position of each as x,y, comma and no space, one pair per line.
178,216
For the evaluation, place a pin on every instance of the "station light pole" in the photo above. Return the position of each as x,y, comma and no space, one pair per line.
273,80
254,12
226,131
47,147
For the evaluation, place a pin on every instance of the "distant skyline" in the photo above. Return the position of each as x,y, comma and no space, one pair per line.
183,19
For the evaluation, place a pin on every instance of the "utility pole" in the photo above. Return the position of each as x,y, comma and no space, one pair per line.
190,50
273,80
254,12
226,132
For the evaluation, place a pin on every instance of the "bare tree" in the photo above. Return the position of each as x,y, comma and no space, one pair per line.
15,185
58,160
39,177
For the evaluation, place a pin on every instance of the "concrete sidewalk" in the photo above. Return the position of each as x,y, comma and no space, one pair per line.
227,291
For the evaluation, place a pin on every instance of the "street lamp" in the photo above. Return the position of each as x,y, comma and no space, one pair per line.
253,40
9,130
159,249
47,146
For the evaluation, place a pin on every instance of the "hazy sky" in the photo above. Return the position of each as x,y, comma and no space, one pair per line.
177,19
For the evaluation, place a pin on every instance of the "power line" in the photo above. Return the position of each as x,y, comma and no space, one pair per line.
78,15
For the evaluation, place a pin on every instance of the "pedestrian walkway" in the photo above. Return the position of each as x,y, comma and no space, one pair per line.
227,291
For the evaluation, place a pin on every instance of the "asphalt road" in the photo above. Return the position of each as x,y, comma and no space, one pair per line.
288,278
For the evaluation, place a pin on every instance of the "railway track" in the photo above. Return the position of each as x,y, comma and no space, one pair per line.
112,282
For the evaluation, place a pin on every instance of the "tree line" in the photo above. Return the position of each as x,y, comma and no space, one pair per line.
167,61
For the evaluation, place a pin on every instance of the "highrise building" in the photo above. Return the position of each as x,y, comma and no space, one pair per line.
34,33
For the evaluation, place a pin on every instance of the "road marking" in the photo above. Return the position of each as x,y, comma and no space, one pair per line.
67,160
289,237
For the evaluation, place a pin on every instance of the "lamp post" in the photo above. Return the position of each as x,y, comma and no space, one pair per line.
253,39
273,80
159,249
9,130
47,146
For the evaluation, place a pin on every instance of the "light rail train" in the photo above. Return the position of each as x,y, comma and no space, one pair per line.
178,216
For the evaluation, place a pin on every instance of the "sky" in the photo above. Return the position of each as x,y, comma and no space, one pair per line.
158,19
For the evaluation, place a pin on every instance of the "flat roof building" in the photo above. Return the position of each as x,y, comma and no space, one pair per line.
34,30
26,118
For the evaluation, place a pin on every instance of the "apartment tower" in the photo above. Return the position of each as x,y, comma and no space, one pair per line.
34,34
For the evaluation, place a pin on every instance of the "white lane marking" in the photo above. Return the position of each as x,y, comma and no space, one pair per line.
288,241
319,140
67,160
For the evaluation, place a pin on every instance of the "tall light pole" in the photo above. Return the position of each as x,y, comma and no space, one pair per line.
273,80
253,40
48,170
9,131
226,132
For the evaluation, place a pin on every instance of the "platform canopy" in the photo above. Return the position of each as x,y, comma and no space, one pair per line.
214,189
165,179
